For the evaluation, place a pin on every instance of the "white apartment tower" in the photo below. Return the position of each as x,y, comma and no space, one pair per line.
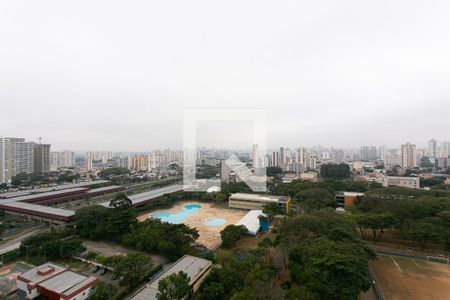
409,155
16,156
88,161
433,148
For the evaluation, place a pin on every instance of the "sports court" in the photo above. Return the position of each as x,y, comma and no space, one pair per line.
205,217
407,278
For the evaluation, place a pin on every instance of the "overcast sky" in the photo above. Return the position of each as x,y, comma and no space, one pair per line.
118,74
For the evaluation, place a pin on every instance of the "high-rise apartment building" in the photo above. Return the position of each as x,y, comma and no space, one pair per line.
433,148
393,158
225,171
302,158
444,149
383,153
62,159
337,156
282,158
16,156
409,155
88,161
41,158
368,153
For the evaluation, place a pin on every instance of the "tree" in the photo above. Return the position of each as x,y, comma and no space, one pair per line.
90,221
113,172
102,291
425,162
231,234
266,244
375,221
422,232
133,268
274,171
173,287
220,197
3,227
214,290
271,210
316,198
120,201
335,171
172,240
319,265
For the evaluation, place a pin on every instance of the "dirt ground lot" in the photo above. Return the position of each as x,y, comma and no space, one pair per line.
406,278
209,236
110,249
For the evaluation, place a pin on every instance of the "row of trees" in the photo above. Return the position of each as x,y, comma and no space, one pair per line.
51,245
421,216
295,188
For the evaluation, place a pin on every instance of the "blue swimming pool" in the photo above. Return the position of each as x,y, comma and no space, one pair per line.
179,217
215,222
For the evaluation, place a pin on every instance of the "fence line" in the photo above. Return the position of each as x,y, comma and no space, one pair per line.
378,292
409,251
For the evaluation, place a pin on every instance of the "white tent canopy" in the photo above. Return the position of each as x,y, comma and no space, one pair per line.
251,221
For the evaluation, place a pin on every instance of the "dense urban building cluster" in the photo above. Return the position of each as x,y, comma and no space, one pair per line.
319,202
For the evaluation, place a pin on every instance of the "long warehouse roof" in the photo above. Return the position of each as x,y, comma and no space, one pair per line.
144,197
40,208
52,188
43,195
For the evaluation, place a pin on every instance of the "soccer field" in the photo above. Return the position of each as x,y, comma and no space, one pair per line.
407,278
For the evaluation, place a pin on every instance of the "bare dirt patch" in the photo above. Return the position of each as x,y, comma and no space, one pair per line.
406,278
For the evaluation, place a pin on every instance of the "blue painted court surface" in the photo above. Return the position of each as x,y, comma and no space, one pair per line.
179,217
264,225
215,222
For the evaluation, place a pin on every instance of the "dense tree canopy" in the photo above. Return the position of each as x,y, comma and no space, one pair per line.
52,244
102,291
231,234
113,171
172,240
334,171
173,287
316,198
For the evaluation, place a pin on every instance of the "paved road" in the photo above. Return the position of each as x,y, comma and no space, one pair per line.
15,242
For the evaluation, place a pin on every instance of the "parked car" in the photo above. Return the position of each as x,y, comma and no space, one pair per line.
95,269
103,271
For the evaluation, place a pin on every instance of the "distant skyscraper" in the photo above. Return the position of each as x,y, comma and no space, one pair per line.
312,163
337,156
88,161
16,156
433,148
257,160
302,158
368,153
408,152
62,159
274,160
444,149
282,158
41,158
383,153
225,171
